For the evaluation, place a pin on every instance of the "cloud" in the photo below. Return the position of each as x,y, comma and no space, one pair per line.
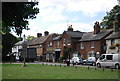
88,7
61,27
54,13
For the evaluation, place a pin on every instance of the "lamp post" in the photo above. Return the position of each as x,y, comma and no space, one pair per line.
24,48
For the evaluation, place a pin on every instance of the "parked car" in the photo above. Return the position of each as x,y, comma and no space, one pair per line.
109,60
90,61
77,60
66,60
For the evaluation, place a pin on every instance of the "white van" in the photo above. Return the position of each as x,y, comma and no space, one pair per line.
110,60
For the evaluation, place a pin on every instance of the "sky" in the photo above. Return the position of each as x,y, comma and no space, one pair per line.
56,15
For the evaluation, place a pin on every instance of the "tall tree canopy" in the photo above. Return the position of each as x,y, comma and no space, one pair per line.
15,15
107,21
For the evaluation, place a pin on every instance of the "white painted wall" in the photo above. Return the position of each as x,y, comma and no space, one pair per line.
108,42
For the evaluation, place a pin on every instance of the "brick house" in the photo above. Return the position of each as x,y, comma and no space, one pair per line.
69,39
57,47
93,43
50,56
113,40
41,44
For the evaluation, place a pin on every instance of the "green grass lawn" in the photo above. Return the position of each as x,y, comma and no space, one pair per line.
36,71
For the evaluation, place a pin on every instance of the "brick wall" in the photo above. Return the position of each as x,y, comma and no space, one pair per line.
87,48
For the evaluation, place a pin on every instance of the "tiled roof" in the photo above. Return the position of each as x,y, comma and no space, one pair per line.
19,43
37,41
57,38
114,35
75,34
91,36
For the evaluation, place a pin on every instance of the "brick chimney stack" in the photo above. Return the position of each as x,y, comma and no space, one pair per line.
39,35
70,28
46,33
96,28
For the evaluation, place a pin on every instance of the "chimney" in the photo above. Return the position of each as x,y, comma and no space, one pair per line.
116,24
96,28
39,35
46,33
70,28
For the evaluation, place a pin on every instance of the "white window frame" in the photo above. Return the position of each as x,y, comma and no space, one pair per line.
50,44
92,44
68,41
64,42
82,45
58,44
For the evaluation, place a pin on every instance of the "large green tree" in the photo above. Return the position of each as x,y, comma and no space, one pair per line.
15,15
108,20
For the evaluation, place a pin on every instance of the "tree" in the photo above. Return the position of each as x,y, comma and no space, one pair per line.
108,20
15,16
66,52
8,41
30,37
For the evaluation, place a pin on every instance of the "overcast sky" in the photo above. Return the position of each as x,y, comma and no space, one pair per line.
56,14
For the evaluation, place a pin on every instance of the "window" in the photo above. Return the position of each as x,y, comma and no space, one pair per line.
40,46
109,57
102,57
50,44
64,41
82,45
92,44
58,44
69,41
112,42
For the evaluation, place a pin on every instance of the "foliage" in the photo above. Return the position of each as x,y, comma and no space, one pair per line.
112,47
107,21
66,52
19,39
15,16
8,41
30,37
116,44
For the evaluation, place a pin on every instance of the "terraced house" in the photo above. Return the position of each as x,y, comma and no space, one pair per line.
68,39
113,40
94,43
42,44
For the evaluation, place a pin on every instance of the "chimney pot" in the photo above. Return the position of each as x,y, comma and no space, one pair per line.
46,33
39,35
